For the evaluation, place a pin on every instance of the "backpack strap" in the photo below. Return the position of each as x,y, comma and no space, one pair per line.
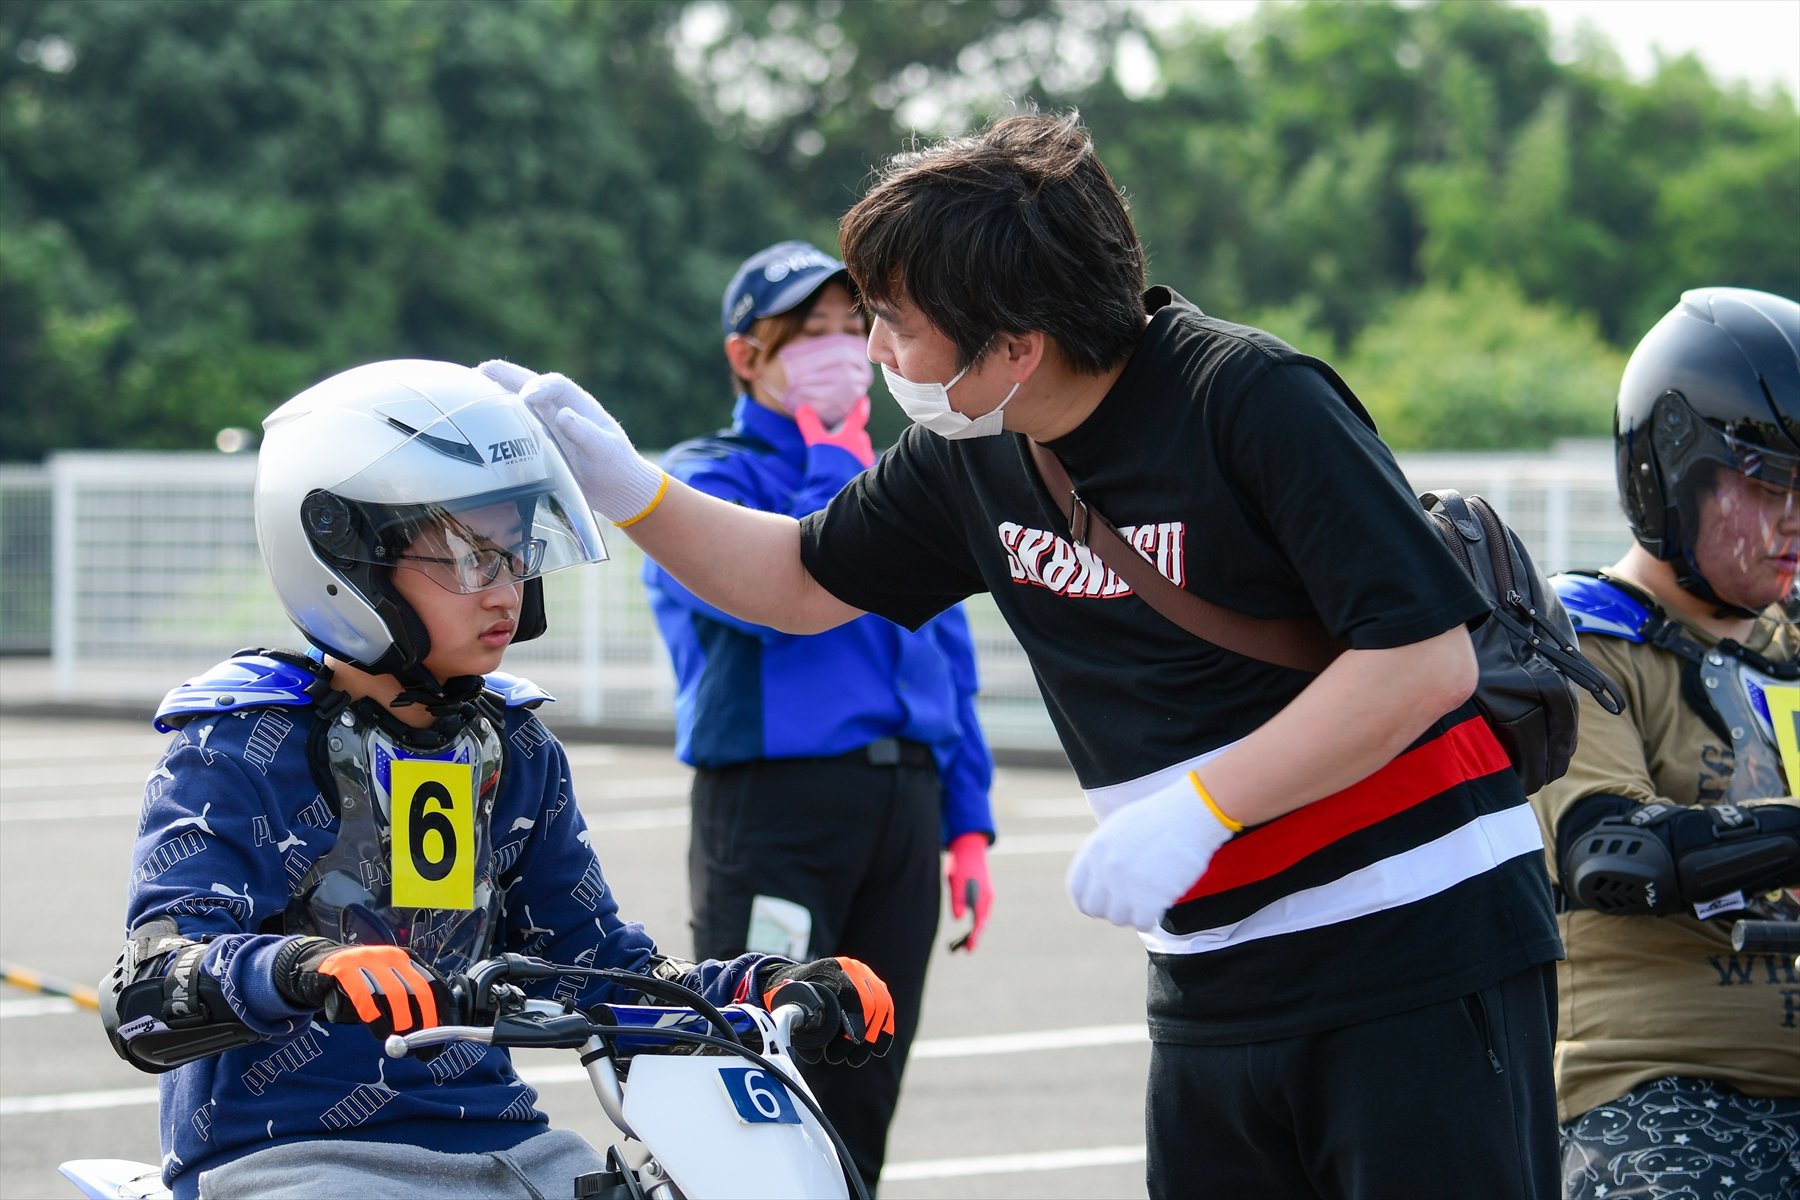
1298,643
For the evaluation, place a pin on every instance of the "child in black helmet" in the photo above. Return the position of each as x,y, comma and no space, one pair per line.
1678,1063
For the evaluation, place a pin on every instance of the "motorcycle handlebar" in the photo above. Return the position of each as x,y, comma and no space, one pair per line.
1772,937
518,1020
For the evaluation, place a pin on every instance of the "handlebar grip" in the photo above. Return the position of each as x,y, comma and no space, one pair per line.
1773,937
819,1007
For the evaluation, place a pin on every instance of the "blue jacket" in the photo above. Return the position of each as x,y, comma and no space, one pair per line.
747,692
232,817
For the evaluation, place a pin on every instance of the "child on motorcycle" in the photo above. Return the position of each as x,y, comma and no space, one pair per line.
1677,1060
331,834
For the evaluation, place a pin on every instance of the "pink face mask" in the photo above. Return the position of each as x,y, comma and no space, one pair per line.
828,374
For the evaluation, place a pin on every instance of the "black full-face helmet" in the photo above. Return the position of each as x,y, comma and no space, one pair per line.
1714,385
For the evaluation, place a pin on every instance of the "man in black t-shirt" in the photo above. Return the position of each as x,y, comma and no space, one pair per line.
1337,878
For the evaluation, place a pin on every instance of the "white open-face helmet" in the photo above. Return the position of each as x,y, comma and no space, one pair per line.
355,467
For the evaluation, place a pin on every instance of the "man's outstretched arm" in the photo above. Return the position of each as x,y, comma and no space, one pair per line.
735,558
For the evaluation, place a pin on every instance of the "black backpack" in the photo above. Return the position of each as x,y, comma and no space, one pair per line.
1530,667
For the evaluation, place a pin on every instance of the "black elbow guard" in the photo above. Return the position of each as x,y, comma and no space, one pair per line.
1750,849
160,1009
1663,858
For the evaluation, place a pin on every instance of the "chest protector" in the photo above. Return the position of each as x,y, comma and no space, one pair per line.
413,862
1736,691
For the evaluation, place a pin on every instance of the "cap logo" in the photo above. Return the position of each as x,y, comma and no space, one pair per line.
742,308
780,269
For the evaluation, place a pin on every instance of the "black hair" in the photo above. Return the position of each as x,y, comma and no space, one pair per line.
1014,229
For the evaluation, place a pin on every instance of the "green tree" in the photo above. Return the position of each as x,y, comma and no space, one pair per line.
209,205
206,205
1480,367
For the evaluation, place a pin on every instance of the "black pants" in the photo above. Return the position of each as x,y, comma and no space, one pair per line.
1455,1100
857,845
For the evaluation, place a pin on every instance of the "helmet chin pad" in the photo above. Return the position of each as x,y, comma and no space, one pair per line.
532,619
408,640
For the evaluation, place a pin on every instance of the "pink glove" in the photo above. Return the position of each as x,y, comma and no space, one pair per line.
968,869
852,436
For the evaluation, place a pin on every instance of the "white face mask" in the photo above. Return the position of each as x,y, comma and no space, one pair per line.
928,404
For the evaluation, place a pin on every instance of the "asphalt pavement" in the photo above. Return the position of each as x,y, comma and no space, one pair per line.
1027,1080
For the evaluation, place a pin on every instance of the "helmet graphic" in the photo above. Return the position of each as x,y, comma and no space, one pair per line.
354,468
1714,385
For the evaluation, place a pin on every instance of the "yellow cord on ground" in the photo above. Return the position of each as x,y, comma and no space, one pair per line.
31,981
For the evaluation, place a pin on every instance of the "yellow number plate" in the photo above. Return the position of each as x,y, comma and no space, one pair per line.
433,806
1784,710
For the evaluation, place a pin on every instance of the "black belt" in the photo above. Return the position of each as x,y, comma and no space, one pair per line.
892,752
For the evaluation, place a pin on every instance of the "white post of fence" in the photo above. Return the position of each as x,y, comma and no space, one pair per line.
64,573
589,653
1557,539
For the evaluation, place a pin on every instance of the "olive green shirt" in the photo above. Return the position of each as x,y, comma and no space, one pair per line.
1642,997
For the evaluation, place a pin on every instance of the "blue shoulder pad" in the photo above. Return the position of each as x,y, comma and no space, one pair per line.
246,681
516,692
1597,607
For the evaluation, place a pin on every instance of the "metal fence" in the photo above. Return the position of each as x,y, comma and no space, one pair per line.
134,571
24,560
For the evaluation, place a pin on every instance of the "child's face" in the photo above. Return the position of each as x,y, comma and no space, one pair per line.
1749,543
469,630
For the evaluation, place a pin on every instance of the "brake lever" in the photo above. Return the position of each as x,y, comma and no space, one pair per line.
971,893
545,1030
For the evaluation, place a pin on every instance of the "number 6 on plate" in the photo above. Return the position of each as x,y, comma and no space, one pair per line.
433,808
758,1097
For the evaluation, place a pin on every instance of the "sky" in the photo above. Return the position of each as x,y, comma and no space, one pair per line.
1756,41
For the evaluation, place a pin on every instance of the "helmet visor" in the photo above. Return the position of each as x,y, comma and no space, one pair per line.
470,545
1755,460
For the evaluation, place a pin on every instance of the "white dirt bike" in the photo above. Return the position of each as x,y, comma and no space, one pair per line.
708,1099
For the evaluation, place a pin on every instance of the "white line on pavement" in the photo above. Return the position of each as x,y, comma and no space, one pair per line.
16,1106
1009,1164
82,808
1030,1041
17,779
1038,843
543,1076
45,1006
69,808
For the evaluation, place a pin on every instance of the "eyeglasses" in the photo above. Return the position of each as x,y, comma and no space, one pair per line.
486,566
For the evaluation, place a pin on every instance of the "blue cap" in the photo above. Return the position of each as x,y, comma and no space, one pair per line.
775,280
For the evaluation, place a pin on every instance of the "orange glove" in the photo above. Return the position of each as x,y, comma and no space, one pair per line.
856,1009
384,987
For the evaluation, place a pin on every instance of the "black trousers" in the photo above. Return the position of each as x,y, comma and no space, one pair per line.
856,844
1453,1101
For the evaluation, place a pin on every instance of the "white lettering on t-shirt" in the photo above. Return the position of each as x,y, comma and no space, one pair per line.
1040,558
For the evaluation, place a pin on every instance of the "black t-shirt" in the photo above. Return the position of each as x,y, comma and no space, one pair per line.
1249,478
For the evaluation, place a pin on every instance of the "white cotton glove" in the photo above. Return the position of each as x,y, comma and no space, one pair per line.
1144,857
621,484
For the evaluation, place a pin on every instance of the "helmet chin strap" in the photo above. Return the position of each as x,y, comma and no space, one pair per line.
419,686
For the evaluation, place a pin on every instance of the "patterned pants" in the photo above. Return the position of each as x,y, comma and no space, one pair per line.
1684,1139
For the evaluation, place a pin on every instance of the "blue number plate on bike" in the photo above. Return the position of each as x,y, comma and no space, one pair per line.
759,1098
